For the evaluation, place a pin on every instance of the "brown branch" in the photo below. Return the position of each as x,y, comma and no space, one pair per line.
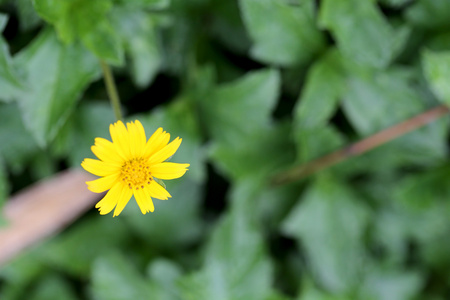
358,148
44,209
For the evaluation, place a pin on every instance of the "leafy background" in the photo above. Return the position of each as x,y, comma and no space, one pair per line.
253,87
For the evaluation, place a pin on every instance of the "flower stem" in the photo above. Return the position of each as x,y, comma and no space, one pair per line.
112,90
358,148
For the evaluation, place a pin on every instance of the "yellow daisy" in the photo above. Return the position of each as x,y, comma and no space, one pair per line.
129,166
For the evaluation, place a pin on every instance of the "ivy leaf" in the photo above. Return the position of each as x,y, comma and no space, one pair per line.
375,43
329,221
114,278
65,253
437,71
283,34
236,265
76,137
138,32
236,110
16,143
371,93
84,20
315,107
57,76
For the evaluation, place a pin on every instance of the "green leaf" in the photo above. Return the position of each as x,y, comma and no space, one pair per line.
429,14
320,98
165,275
375,43
395,3
329,222
28,17
17,146
137,30
52,287
76,137
371,94
4,188
149,4
179,216
314,143
234,111
437,71
85,20
241,159
179,120
57,76
385,284
321,94
309,292
113,277
283,34
102,235
10,83
236,265
3,20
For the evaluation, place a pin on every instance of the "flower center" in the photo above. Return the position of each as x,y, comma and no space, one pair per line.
136,173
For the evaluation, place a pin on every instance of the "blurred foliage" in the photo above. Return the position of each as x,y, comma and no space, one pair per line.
253,87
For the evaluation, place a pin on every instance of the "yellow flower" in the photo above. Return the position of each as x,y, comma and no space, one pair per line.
129,166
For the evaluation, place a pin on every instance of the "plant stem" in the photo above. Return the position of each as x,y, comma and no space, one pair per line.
369,143
111,89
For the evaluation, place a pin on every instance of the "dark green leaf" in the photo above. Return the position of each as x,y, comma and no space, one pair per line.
283,34
429,14
52,287
329,222
374,43
10,83
57,76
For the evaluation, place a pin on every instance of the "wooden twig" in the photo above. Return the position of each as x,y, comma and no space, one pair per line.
44,209
358,148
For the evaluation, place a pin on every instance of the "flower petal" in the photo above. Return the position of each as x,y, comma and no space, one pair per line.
144,200
123,199
102,184
157,191
121,139
137,138
108,202
165,152
156,142
99,168
168,170
106,151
